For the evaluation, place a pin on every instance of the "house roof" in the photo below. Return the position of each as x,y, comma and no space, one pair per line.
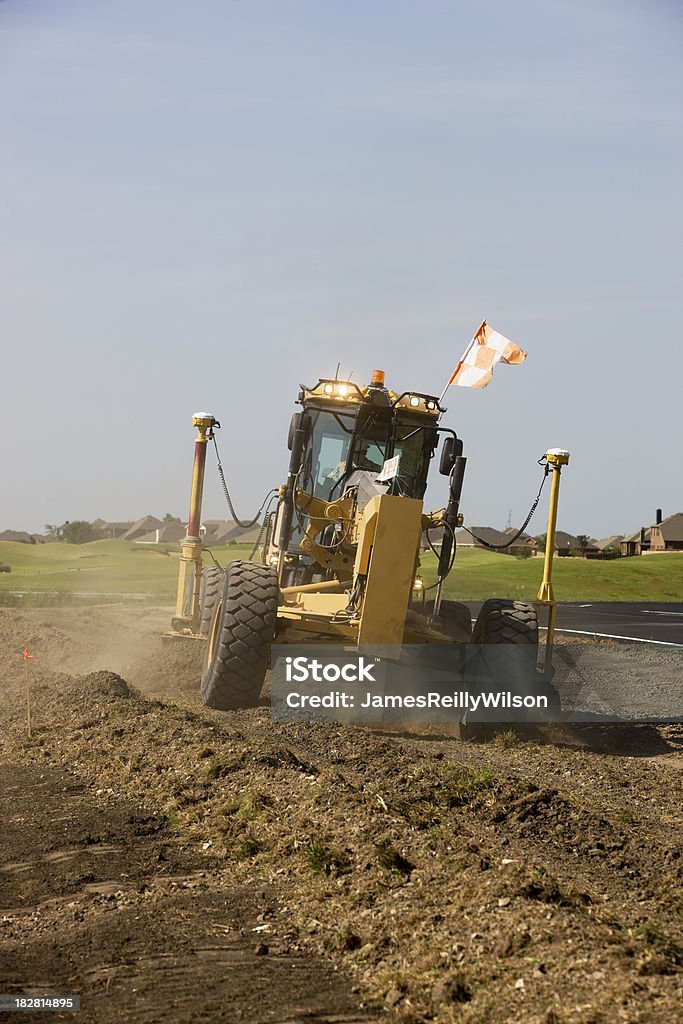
636,536
485,533
219,532
143,525
168,533
242,535
510,530
435,533
567,542
20,536
228,530
671,527
524,538
608,542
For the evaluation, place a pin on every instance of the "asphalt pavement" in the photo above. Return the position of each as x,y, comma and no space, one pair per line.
659,622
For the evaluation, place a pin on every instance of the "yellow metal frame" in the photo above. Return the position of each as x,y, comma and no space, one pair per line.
320,514
388,539
388,547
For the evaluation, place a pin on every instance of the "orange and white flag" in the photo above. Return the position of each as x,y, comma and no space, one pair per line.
487,348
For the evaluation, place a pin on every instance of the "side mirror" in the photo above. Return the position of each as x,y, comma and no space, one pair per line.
299,421
294,425
448,454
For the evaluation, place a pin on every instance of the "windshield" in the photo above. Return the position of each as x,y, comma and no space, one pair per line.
326,458
414,445
339,444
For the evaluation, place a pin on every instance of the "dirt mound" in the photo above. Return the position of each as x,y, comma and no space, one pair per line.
109,638
105,684
170,664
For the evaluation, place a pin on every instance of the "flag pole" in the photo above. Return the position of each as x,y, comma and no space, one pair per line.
461,360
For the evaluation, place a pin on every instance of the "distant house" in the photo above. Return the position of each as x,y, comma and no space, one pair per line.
667,534
112,531
483,536
167,533
214,531
241,534
435,537
21,537
227,531
142,526
524,538
636,543
607,547
567,544
606,543
473,536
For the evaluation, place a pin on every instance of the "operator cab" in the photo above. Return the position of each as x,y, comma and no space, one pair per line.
350,434
350,430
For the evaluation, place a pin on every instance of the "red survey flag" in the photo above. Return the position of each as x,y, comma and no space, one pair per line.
487,348
26,654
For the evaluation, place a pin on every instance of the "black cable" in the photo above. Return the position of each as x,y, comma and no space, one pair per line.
494,547
298,512
500,547
245,524
264,525
429,542
214,559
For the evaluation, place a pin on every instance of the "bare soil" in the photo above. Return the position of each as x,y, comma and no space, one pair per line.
171,863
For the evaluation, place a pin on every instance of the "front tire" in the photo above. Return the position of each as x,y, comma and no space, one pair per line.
240,635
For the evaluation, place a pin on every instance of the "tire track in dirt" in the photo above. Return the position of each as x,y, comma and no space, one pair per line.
97,900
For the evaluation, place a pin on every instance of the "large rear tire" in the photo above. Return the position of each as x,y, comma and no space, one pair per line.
508,634
213,579
210,586
501,629
506,622
240,635
455,620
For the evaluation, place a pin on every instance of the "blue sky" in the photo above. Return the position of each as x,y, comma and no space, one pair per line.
205,205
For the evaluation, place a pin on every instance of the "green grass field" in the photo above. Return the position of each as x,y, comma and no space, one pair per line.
480,574
108,568
114,569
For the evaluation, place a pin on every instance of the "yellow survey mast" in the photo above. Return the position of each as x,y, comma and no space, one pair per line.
187,611
556,458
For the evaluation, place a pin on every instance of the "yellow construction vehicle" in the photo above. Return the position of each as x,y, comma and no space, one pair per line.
339,558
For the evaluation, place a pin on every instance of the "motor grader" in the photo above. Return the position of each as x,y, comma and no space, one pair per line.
338,560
